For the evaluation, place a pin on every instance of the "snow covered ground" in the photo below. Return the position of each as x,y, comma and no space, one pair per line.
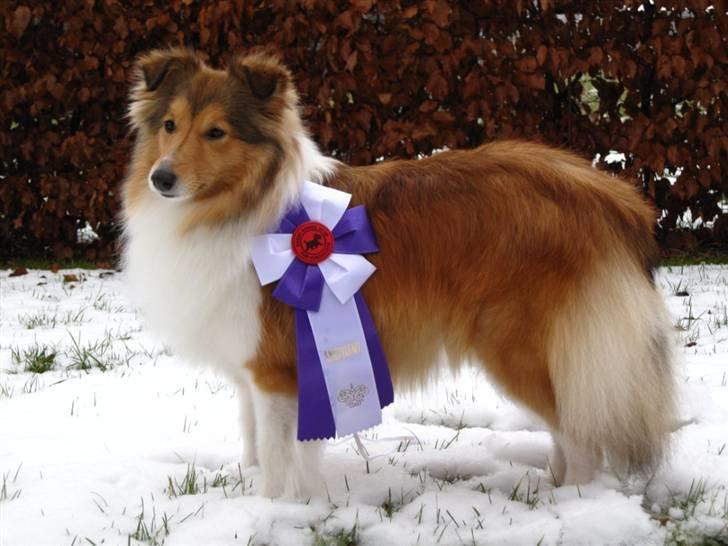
121,443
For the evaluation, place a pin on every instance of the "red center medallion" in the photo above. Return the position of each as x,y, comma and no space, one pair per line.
312,242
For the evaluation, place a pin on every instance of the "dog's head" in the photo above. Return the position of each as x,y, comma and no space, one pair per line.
214,139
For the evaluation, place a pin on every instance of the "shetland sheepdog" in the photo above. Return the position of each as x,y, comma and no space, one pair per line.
515,255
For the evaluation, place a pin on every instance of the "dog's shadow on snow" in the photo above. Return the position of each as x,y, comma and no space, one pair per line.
496,453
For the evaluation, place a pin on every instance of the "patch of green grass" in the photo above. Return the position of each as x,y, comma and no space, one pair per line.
73,318
101,302
6,494
683,510
678,289
388,507
46,263
32,385
151,533
191,483
695,258
41,319
391,505
529,497
220,480
45,319
35,358
97,355
720,317
340,538
6,391
195,482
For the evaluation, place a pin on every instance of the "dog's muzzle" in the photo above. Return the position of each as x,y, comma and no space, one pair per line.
164,181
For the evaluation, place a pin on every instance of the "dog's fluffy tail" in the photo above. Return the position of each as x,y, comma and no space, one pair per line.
611,367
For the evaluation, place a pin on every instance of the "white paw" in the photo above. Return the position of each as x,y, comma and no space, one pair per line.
302,488
578,475
271,488
291,486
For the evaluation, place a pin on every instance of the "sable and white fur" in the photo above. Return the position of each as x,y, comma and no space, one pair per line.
516,255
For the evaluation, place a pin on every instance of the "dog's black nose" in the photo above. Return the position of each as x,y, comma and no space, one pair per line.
163,179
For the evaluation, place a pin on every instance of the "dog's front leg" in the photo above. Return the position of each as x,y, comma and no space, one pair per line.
247,423
289,468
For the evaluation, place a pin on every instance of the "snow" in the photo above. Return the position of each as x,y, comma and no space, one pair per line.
106,455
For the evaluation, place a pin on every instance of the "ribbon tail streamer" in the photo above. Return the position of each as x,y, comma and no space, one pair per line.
315,416
376,352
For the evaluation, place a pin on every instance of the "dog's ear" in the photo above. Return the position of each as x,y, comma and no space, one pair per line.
156,77
264,75
166,67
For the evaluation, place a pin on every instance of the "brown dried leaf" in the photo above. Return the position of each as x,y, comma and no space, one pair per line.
409,11
18,21
351,61
437,86
440,13
527,64
361,5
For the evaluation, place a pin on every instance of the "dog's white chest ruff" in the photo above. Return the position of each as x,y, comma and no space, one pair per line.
197,291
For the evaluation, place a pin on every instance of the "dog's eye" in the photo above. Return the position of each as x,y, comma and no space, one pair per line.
169,126
215,133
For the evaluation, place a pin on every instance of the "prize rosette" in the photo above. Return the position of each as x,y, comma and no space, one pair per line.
315,254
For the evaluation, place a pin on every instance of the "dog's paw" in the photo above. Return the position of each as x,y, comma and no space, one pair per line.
271,489
303,488
292,487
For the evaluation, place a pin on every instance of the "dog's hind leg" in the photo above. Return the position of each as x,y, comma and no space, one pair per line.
289,468
557,462
610,363
510,348
578,465
513,348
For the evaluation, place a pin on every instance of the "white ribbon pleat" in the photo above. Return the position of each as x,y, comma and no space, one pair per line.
271,255
345,274
325,205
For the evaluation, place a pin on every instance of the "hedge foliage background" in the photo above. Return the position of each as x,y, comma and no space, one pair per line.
377,78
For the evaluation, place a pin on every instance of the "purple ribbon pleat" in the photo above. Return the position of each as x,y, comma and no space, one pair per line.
293,218
354,234
301,287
